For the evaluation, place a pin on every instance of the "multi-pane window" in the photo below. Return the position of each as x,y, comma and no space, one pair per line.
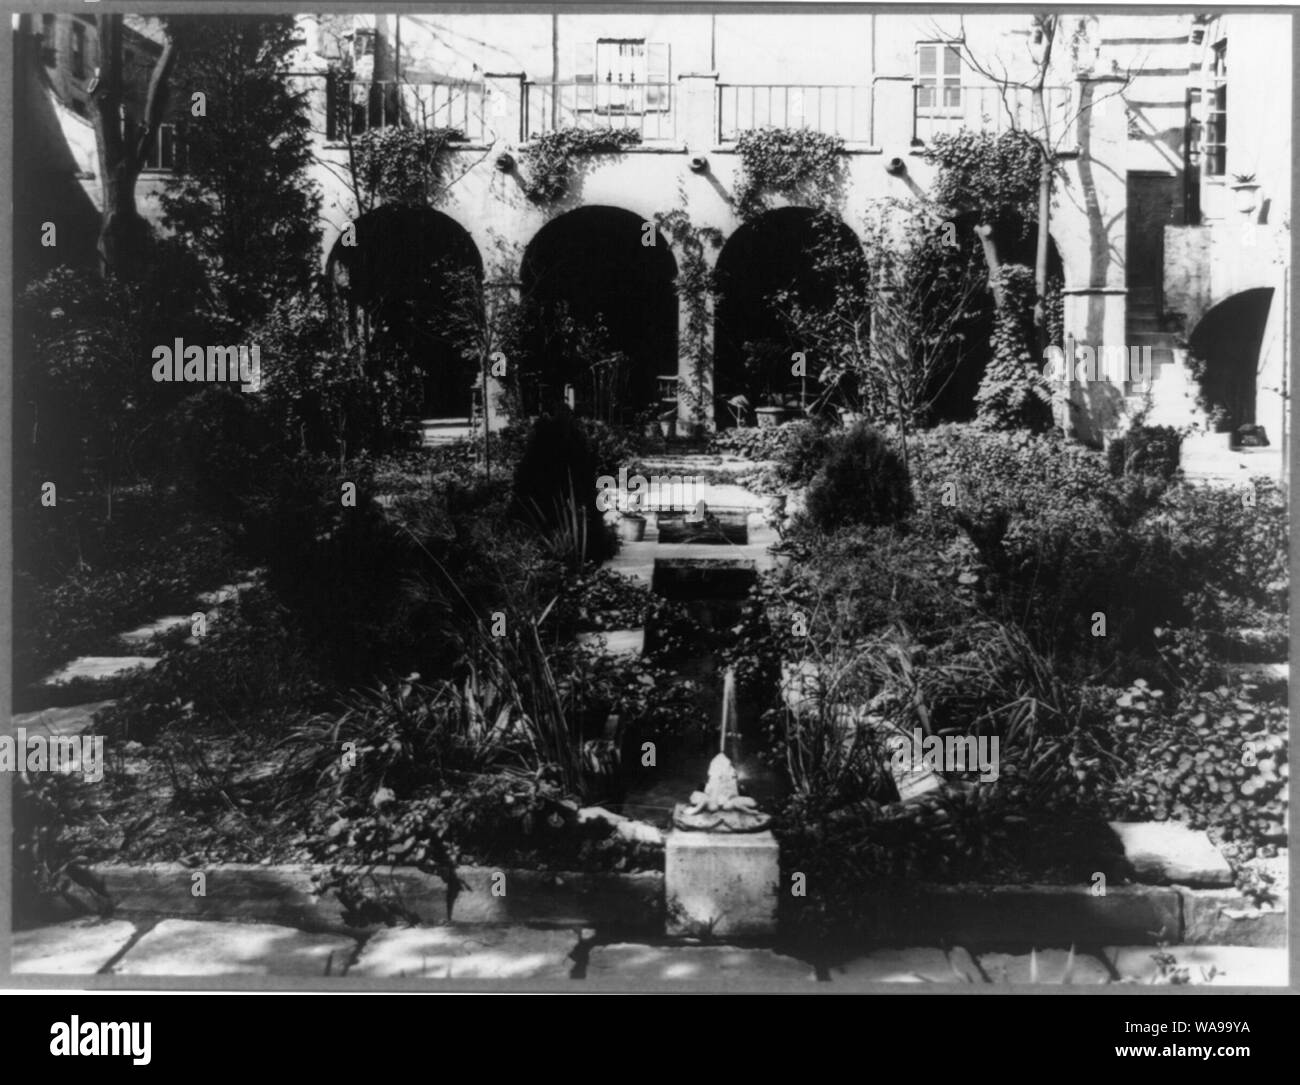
623,75
1216,115
938,77
78,51
162,151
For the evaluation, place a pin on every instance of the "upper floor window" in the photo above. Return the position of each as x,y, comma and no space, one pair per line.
938,77
162,152
1216,115
78,51
623,75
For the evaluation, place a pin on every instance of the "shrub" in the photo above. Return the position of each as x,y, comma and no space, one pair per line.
555,490
804,449
863,481
1146,450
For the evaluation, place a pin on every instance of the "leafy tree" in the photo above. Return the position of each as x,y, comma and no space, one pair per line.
896,327
242,197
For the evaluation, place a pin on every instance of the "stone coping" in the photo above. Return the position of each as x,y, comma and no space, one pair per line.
981,917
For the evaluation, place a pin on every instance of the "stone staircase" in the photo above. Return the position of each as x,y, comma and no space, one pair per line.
1173,389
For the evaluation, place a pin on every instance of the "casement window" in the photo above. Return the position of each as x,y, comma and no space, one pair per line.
78,51
1216,114
623,75
938,78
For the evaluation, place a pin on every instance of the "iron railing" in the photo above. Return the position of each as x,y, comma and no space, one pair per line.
995,109
645,107
837,109
364,105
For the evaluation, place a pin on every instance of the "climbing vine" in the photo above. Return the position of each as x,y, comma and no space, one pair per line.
1013,392
548,159
401,165
695,286
805,166
994,176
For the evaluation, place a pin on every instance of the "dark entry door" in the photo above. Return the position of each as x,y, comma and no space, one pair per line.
1153,203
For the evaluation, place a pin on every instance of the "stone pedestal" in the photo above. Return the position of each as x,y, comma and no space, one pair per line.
721,884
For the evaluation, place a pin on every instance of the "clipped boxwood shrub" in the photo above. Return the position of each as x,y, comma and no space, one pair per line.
863,482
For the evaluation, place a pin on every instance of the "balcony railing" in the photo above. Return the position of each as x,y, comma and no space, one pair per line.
364,105
841,110
645,107
944,111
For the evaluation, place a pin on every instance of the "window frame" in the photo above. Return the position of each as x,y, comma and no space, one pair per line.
940,81
1214,153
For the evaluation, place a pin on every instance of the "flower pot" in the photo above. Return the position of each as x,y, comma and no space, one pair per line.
631,528
771,416
1245,195
668,427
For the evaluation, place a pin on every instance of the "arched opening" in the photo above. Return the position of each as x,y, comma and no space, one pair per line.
1225,348
599,314
777,253
412,288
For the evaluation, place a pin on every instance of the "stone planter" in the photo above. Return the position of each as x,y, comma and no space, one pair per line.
631,528
1245,196
771,416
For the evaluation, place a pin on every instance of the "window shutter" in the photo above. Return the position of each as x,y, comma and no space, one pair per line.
658,75
584,74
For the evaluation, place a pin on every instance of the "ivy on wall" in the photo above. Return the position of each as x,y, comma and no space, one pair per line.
548,159
1013,392
695,288
805,166
401,165
994,176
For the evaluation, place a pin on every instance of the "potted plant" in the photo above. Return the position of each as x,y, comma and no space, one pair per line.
668,422
1245,187
771,414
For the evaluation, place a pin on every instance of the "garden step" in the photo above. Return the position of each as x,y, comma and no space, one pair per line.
1046,966
1163,852
1221,966
59,721
1228,917
185,947
468,953
98,668
917,964
142,635
81,947
712,966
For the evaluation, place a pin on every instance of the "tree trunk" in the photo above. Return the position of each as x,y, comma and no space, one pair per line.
985,234
123,235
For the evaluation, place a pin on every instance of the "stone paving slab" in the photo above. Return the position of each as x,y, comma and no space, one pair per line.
918,964
81,947
1226,917
468,953
710,966
618,642
185,947
59,721
1168,851
99,668
1233,966
1054,966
